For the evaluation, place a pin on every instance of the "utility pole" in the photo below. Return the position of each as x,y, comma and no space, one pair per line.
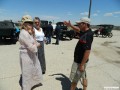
90,8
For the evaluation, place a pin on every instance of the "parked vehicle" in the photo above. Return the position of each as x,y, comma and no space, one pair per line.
8,30
65,32
105,30
44,24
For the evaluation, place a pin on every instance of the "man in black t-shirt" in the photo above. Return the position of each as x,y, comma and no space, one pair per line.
81,53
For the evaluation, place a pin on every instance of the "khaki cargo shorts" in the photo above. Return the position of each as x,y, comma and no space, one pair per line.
75,74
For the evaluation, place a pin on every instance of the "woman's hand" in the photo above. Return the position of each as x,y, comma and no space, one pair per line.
30,32
38,45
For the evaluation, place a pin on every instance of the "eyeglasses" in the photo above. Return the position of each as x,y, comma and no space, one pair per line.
81,23
37,22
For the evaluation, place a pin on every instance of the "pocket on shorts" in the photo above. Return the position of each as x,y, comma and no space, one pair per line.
73,70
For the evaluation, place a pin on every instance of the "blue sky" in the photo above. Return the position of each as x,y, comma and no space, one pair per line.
102,11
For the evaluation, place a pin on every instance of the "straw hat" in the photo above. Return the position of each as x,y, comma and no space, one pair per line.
27,18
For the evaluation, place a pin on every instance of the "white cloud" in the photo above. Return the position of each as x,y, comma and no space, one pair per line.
69,13
116,16
117,12
2,10
98,11
26,13
95,14
112,14
50,17
108,14
13,18
84,13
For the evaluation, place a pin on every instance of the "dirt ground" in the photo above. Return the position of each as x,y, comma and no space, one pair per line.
103,69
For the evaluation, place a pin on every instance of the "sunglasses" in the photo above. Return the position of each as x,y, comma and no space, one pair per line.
37,22
82,23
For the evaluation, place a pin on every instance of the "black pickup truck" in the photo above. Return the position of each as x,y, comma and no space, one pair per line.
8,30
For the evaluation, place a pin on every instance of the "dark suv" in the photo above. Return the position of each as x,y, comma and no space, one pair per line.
8,31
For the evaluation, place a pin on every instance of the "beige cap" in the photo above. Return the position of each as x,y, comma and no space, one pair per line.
26,18
84,19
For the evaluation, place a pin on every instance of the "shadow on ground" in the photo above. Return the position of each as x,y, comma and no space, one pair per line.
35,86
62,39
65,82
7,42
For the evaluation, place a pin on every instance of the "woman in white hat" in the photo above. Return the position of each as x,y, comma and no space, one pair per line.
30,65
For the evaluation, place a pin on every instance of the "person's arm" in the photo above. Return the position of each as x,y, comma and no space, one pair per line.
52,28
85,58
37,44
87,48
77,29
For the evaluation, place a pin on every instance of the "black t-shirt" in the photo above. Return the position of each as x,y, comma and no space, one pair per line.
84,43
